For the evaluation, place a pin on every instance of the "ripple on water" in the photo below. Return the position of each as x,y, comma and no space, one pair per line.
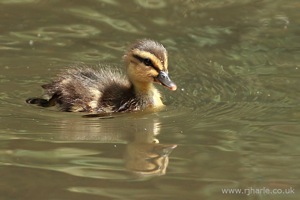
152,4
73,30
118,24
58,157
51,33
19,1
51,36
215,84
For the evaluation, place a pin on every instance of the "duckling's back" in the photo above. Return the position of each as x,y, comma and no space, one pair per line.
90,90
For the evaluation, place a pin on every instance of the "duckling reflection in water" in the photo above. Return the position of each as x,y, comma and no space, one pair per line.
134,142
148,159
84,89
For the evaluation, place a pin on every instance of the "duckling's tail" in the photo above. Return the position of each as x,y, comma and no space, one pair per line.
38,101
43,102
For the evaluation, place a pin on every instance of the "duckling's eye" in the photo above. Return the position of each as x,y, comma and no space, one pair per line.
147,62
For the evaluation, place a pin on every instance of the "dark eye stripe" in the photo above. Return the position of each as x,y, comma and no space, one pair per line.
146,61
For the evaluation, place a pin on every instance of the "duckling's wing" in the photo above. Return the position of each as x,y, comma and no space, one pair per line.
81,89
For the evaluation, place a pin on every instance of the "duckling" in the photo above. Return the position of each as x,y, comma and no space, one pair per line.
85,89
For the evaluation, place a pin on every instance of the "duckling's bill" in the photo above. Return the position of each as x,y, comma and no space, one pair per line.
165,80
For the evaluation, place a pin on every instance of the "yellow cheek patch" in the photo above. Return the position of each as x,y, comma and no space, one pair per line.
153,73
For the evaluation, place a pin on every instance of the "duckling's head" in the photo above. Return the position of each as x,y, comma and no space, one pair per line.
147,62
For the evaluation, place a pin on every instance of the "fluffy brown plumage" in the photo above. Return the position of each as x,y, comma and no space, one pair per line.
106,90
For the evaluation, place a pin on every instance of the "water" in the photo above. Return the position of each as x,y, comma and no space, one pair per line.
233,123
